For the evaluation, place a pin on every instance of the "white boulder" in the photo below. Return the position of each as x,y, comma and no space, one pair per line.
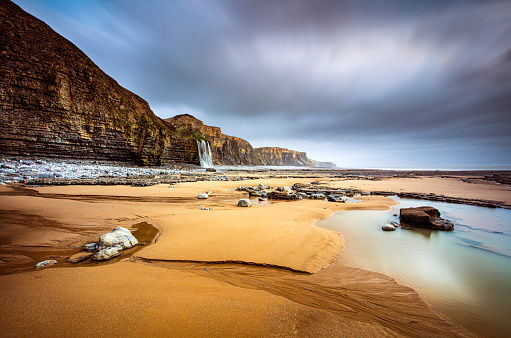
106,254
202,196
120,238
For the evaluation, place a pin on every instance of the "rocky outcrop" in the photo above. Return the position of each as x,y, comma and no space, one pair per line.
426,217
282,157
55,102
225,149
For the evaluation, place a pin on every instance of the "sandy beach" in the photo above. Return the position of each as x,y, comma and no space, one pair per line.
266,270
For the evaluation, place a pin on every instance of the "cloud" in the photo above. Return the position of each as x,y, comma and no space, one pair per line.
414,73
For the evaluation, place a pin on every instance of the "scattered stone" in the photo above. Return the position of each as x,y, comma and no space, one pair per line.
260,199
202,196
244,203
285,189
79,257
280,195
209,193
106,254
45,263
388,227
213,170
427,217
383,193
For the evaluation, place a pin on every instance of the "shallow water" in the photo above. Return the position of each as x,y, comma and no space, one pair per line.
464,274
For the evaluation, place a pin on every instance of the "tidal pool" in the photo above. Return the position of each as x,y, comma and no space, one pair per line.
464,274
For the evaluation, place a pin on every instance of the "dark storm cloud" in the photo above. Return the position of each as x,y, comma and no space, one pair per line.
419,73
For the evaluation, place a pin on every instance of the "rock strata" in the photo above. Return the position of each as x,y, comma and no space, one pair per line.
55,102
225,149
274,156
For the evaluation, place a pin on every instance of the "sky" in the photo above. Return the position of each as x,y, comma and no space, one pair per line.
363,84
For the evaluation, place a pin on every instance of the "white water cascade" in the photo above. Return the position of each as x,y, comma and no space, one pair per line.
206,161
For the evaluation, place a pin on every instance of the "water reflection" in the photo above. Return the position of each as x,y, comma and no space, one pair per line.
465,274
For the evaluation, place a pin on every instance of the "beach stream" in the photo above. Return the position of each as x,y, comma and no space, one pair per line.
464,274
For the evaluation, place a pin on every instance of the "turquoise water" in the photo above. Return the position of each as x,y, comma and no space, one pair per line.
464,274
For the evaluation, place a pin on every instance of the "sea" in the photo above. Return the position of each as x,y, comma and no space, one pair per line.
463,274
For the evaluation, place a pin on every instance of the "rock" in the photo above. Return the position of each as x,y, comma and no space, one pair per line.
91,246
106,254
302,195
213,170
45,263
260,199
279,195
285,189
388,227
244,203
209,193
282,157
79,257
427,217
254,193
120,238
202,196
57,103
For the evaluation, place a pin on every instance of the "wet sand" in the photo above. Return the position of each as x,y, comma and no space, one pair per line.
289,288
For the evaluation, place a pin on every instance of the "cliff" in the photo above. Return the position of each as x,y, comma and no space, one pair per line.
225,149
318,164
282,157
55,102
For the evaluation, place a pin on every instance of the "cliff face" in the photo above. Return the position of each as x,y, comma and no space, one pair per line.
282,157
319,164
55,102
225,149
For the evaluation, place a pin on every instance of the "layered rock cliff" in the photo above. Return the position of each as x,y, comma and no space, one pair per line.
225,149
55,102
230,150
282,157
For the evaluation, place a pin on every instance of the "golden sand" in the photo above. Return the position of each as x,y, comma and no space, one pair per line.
164,290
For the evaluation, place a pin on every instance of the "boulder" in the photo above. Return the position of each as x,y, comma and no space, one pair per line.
79,257
244,203
120,238
426,217
106,254
202,196
255,193
285,189
45,263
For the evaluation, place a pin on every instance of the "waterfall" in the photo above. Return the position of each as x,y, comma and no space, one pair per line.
205,158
